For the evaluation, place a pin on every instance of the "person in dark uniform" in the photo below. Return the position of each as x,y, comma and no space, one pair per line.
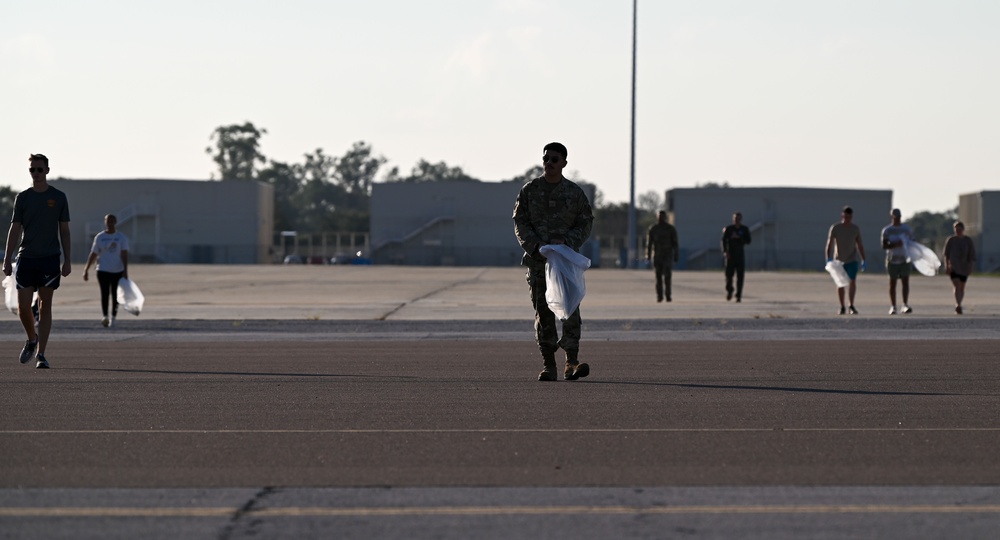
663,249
552,210
734,237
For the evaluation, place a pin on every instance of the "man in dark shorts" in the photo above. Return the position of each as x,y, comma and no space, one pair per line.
39,229
959,260
897,263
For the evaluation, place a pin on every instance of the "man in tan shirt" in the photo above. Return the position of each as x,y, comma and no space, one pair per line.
846,238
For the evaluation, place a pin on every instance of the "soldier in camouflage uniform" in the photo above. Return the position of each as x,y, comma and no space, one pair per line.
552,210
662,247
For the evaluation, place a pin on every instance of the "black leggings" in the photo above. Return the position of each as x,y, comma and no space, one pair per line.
109,287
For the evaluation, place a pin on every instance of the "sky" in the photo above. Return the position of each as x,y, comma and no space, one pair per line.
876,94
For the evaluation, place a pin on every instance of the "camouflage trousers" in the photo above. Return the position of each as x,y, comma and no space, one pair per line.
546,332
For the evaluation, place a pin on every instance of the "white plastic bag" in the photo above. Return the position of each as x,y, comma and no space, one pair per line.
130,298
10,293
923,258
837,272
564,285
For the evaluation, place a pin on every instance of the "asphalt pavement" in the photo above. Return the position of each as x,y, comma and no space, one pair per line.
393,402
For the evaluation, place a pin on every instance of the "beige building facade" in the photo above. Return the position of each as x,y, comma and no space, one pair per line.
175,221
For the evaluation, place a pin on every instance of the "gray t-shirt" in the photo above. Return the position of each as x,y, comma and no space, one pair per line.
39,215
845,237
896,233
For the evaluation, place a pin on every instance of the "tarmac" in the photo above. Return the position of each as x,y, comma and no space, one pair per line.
353,401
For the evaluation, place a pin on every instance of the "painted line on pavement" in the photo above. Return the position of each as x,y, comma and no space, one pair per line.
486,430
284,512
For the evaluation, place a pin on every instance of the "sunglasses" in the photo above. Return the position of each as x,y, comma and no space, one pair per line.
552,158
36,169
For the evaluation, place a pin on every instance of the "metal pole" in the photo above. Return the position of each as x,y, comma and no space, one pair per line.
632,240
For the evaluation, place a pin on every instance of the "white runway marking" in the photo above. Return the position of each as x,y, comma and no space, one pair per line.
215,512
489,430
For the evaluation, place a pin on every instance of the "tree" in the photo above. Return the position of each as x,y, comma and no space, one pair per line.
237,151
287,186
355,171
320,197
650,201
528,175
933,228
425,171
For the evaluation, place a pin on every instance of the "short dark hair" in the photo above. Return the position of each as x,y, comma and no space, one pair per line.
848,210
959,224
39,157
556,147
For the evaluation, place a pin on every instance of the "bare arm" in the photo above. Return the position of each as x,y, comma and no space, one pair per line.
64,236
90,260
13,236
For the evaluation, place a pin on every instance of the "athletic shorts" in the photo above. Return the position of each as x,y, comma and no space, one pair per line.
852,269
36,273
959,277
898,270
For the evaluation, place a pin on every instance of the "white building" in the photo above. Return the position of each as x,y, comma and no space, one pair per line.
175,221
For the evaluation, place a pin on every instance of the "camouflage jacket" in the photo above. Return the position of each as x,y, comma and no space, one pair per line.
661,241
540,217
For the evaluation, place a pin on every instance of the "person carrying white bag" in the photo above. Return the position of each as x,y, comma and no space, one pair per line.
110,252
552,211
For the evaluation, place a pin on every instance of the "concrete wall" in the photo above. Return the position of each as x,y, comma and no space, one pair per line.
445,223
789,226
981,214
175,221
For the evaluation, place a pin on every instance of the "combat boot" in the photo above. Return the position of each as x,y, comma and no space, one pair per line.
549,367
574,369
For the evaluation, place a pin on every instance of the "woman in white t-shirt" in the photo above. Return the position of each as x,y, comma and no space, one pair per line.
110,251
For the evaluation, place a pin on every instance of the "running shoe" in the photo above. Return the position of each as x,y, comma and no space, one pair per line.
892,310
852,310
28,351
41,363
906,309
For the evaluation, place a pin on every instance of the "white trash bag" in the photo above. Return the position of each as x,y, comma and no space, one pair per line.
837,272
923,258
564,285
130,298
10,293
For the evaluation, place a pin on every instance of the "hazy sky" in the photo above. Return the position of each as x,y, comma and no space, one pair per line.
882,94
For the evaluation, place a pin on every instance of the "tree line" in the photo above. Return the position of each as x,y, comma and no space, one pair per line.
325,193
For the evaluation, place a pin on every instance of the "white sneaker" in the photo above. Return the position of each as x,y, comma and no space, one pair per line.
105,322
111,322
892,310
906,309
